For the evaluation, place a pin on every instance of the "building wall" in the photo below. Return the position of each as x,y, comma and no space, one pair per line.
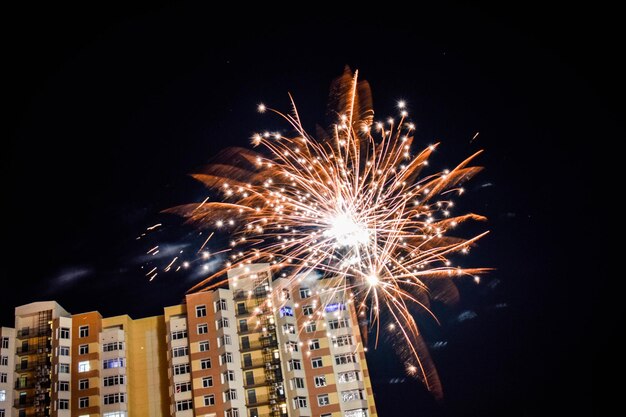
7,369
263,348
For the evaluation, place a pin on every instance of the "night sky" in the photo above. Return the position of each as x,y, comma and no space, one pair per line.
111,107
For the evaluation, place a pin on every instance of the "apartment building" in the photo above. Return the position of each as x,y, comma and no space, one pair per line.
259,348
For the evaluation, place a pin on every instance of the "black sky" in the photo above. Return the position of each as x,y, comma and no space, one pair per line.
111,107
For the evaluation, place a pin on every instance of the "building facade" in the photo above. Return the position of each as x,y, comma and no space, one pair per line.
259,348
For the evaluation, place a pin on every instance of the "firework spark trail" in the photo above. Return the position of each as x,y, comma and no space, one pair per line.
350,204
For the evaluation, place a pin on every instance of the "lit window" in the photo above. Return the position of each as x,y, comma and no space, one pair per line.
323,400
348,376
201,311
83,331
83,402
286,311
351,395
3,395
203,328
113,363
83,349
209,400
317,362
361,412
320,381
83,366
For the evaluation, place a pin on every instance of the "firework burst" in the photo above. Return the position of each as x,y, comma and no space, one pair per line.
352,203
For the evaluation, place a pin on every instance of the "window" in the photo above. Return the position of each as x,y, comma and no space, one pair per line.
184,405
64,368
204,345
220,305
226,357
113,363
310,327
326,415
64,386
3,395
320,381
348,376
181,369
299,402
83,331
113,346
223,322
64,333
4,360
297,383
323,400
338,324
225,340
183,386
64,351
203,328
232,412
314,344
345,358
5,343
209,400
305,292
228,376
110,381
115,414
180,351
359,412
83,402
181,334
291,347
84,384
345,340
294,365
289,329
243,325
351,395
3,377
207,382
201,311
118,397
2,413
83,366
317,362
330,308
307,310
64,404
230,395
83,349
286,311
241,308
205,363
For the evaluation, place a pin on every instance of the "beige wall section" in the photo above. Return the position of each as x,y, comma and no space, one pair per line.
146,351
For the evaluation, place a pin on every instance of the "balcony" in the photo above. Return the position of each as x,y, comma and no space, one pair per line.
24,402
29,333
32,349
